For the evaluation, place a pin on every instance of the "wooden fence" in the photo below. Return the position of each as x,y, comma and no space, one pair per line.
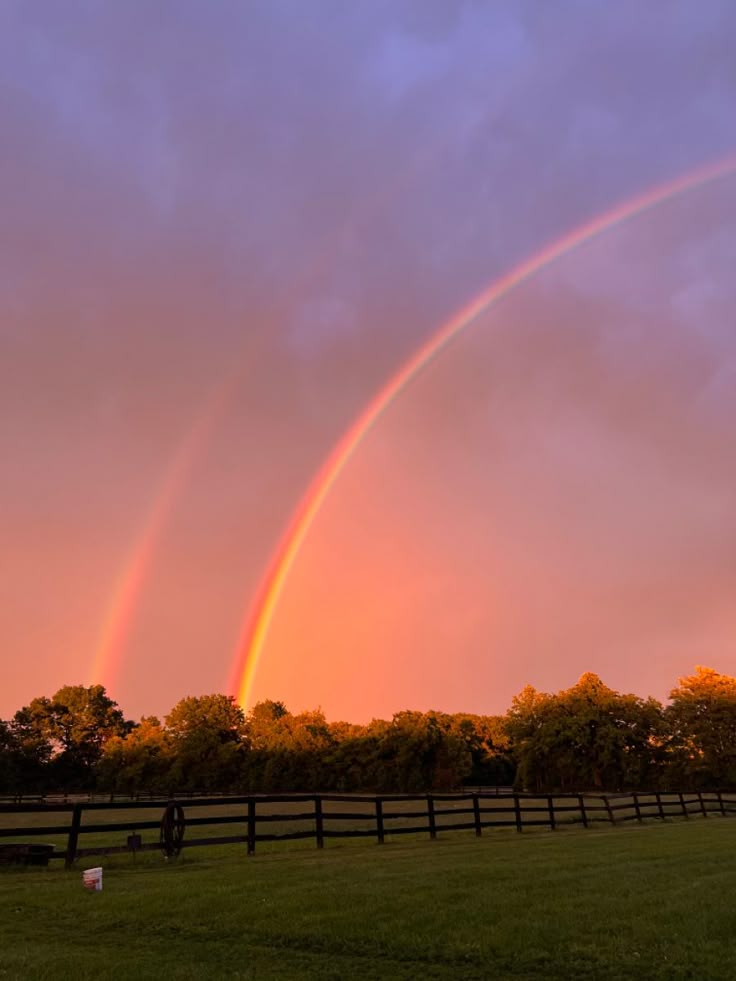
289,817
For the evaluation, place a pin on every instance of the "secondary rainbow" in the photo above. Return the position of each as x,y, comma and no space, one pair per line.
255,629
119,614
122,605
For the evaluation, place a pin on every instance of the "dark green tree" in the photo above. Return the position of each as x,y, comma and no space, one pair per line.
588,737
64,736
208,741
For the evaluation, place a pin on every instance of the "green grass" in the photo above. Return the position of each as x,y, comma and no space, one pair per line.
652,901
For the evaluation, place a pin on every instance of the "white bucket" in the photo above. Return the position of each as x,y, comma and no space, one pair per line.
92,879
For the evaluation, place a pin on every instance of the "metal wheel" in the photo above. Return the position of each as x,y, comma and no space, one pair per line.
173,824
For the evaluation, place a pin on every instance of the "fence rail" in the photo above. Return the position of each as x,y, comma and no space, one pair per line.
92,796
324,816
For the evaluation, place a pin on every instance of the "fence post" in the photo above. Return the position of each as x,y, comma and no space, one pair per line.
720,801
476,816
606,800
431,818
318,822
583,815
71,845
551,809
659,805
702,804
251,825
517,813
637,807
379,821
683,805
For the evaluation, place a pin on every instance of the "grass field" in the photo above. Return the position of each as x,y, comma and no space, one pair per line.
652,901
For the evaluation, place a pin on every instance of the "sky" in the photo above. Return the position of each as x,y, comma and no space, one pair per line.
226,225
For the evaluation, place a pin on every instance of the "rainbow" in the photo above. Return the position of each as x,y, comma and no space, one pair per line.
260,615
121,606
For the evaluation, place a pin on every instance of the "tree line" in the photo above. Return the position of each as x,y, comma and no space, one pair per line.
588,737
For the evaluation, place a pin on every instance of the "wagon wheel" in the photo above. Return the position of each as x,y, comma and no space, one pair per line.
172,830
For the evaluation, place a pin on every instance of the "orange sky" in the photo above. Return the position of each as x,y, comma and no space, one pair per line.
529,511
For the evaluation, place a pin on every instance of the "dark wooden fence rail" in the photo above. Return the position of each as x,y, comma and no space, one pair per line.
378,817
96,797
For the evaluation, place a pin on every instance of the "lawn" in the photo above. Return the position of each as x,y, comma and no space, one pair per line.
650,901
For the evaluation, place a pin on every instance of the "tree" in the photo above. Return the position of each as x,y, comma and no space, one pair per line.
8,770
28,752
587,737
487,741
208,741
138,761
66,734
416,752
528,722
267,725
290,752
702,720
